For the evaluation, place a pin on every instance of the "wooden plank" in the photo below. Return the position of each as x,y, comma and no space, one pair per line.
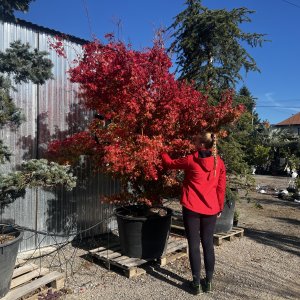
107,254
119,265
28,276
221,234
24,269
121,258
108,251
175,250
134,272
24,290
58,284
177,246
170,258
135,263
175,241
239,231
238,228
178,227
177,223
113,255
217,241
99,249
19,261
36,253
171,243
121,261
131,261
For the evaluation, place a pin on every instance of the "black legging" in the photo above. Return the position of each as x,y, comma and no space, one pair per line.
200,227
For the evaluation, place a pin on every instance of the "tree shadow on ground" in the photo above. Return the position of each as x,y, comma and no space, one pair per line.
289,221
169,277
280,241
275,201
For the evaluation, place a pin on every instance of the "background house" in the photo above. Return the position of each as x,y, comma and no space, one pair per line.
51,112
292,124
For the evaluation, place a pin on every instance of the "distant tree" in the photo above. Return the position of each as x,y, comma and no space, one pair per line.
238,147
208,45
245,97
7,7
277,142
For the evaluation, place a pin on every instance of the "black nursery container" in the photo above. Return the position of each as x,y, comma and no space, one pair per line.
225,222
143,236
8,256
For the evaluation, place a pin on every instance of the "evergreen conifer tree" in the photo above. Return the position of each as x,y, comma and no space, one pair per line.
208,45
20,64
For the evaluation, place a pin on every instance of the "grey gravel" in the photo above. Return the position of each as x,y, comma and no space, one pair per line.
264,264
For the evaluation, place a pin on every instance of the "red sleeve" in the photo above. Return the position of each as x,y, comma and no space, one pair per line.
180,163
221,188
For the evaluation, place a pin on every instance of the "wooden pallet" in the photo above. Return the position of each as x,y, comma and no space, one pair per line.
177,226
177,223
29,280
234,232
176,248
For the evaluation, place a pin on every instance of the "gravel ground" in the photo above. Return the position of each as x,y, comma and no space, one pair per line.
264,264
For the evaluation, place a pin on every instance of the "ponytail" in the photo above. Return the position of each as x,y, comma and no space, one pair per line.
214,151
209,141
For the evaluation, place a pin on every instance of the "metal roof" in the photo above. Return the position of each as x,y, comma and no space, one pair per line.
293,120
39,28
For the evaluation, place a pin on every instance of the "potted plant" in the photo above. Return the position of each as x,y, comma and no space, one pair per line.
140,110
225,222
236,217
296,194
16,65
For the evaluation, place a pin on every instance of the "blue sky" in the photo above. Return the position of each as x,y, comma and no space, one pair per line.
277,87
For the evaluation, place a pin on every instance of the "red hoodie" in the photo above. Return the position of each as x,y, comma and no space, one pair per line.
202,192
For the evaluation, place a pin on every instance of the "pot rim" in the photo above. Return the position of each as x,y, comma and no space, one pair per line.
141,218
19,236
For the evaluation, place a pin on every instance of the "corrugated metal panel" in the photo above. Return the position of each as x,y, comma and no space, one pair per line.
51,112
20,142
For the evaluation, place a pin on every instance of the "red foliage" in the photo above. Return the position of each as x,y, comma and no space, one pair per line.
147,109
69,150
58,46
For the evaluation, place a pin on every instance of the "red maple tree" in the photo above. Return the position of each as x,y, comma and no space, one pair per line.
140,110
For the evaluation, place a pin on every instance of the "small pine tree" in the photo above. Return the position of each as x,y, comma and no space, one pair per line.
20,64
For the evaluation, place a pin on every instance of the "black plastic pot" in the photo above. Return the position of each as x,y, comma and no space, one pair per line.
8,256
143,235
225,222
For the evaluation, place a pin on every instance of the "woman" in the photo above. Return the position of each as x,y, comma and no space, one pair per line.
202,202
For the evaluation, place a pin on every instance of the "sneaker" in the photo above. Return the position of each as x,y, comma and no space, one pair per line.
195,288
207,286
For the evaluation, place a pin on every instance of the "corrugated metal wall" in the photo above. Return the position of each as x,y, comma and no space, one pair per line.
51,112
